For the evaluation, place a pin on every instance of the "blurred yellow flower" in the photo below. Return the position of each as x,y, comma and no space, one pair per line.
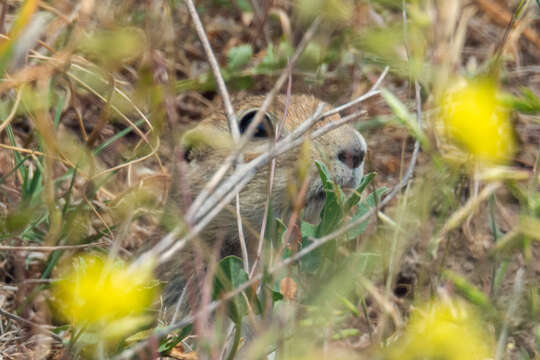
443,330
97,293
475,120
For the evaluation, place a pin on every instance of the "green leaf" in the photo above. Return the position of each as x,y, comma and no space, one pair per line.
270,61
169,343
116,137
276,296
332,212
23,170
33,188
14,169
240,82
349,305
355,197
280,231
499,275
362,209
286,253
244,5
239,56
311,262
230,275
58,111
470,292
308,230
527,103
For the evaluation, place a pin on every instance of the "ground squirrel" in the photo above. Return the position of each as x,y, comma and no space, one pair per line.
207,145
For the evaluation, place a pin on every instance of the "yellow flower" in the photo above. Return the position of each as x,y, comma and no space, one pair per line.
443,330
476,121
96,293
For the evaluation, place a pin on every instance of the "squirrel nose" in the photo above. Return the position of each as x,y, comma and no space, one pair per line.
352,157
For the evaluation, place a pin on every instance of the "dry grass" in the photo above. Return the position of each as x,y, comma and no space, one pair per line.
95,94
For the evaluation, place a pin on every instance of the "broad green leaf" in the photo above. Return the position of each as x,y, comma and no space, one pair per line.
239,56
362,209
355,197
274,58
270,61
230,275
308,230
311,262
244,5
332,212
240,82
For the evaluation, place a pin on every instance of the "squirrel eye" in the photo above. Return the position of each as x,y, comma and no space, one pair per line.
188,154
264,129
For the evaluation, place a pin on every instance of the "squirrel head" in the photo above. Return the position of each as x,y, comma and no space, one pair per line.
207,145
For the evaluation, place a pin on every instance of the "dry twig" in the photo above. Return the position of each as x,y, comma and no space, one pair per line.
32,324
52,248
503,17
222,89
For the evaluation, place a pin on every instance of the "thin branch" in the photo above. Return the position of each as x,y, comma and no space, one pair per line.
180,300
116,109
116,89
51,248
241,237
131,162
175,245
222,89
361,98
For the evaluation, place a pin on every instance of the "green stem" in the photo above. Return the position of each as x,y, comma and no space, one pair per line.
237,333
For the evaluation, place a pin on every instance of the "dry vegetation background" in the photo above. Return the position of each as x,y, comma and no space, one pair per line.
95,94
